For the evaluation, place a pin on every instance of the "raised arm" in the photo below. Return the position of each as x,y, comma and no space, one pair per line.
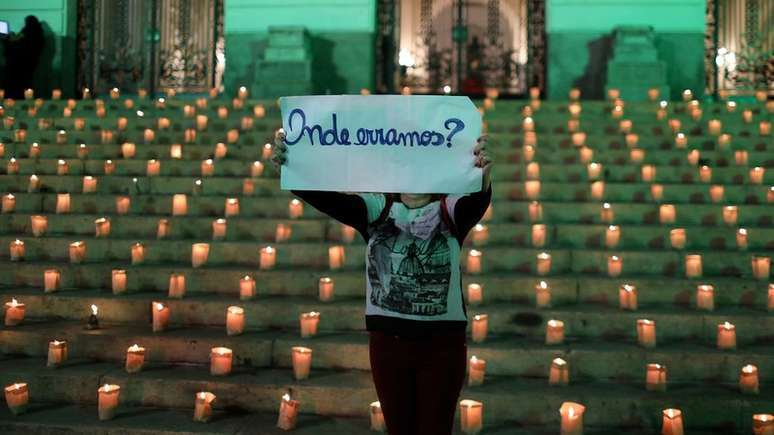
469,209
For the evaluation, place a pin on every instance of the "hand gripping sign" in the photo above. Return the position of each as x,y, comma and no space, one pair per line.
381,143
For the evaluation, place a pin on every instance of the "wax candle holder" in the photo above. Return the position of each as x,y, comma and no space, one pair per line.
476,371
672,423
108,396
247,288
302,362
726,339
308,323
14,312
646,333
288,413
554,332
479,328
51,280
17,398
748,380
471,417
377,417
57,353
542,295
572,418
325,289
627,297
203,407
235,321
220,361
558,374
656,377
135,359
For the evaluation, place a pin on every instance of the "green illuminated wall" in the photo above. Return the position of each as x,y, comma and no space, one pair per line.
342,33
59,19
579,43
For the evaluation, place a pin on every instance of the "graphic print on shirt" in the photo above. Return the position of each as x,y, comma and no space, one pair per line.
410,274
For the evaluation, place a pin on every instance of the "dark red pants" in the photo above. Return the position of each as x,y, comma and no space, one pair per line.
418,381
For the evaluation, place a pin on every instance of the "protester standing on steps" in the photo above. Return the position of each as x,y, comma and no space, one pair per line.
415,313
22,55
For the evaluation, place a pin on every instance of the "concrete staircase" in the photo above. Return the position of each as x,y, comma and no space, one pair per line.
607,367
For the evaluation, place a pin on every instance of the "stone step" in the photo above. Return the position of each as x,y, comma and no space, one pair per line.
316,256
170,169
321,230
505,148
588,361
347,394
61,419
581,321
27,278
514,208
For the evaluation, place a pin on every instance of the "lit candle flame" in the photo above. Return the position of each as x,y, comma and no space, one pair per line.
286,397
134,348
727,325
559,361
94,309
159,306
543,285
14,302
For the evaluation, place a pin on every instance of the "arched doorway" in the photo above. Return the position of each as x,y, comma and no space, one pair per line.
461,46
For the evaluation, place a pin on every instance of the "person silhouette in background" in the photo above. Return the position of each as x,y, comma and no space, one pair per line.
22,55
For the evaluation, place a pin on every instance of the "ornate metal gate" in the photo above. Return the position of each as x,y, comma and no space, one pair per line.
159,45
739,44
463,46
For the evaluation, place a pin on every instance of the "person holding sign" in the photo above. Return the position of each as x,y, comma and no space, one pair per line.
415,312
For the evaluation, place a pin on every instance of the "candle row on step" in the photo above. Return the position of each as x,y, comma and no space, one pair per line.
532,188
106,136
594,171
612,237
627,296
626,126
108,396
646,332
115,94
760,265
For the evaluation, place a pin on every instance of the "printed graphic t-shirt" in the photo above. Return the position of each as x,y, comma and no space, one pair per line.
413,282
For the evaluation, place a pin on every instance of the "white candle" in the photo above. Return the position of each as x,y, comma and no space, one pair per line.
14,312
705,297
282,233
135,358
57,353
17,398
677,238
479,328
77,252
102,227
606,214
543,265
219,229
220,361
612,236
473,264
532,189
542,295
693,266
656,377
538,235
51,280
288,413
763,424
108,401
475,293
533,171
656,192
16,250
480,234
648,173
377,417
716,193
748,380
476,371
572,418
471,417
672,423
554,332
325,289
756,175
268,258
559,373
179,204
336,257
199,254
667,213
203,406
302,362
235,320
9,203
646,333
627,297
726,336
593,170
246,288
176,286
761,267
535,211
118,281
309,322
160,313
295,208
614,265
